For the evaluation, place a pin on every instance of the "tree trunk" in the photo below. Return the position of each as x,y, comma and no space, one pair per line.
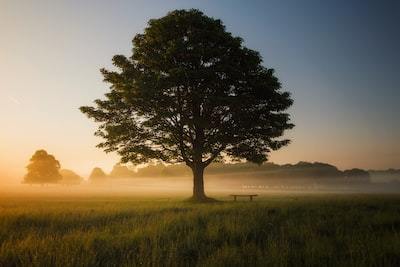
198,184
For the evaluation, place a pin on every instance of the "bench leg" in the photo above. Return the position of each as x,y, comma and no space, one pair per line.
234,198
251,198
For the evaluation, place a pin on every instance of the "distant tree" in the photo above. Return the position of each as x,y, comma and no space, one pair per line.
121,171
357,176
69,177
151,170
356,173
192,93
384,176
42,169
97,175
310,170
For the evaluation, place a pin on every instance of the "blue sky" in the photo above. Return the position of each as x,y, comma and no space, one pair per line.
339,59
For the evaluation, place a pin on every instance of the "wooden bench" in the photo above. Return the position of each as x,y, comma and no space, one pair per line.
249,196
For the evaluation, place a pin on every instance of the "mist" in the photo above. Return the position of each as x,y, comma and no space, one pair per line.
170,181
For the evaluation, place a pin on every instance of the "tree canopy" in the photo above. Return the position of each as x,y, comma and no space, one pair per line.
97,175
42,169
193,93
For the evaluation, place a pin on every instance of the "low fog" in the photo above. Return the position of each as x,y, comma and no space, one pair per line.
166,181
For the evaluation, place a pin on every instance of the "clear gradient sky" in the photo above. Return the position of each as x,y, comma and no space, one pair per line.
340,60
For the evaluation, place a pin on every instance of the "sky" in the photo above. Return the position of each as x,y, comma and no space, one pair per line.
339,59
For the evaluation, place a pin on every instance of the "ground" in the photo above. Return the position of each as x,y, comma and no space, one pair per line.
275,230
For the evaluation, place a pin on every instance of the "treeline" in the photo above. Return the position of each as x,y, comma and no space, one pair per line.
316,171
300,169
44,168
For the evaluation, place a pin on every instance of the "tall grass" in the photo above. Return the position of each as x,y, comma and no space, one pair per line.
273,231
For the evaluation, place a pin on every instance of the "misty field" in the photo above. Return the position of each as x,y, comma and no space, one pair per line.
275,230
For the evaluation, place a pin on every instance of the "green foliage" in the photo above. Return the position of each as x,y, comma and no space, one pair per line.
317,230
190,93
42,169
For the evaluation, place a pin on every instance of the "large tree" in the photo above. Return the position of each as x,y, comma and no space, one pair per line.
193,93
43,169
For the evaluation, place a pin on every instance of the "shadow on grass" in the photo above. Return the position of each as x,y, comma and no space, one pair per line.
210,200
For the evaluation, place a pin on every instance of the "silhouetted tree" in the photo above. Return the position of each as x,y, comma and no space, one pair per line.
191,92
42,169
97,175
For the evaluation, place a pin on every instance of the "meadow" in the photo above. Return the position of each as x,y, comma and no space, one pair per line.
274,230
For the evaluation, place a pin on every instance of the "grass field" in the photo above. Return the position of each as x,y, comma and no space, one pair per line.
275,230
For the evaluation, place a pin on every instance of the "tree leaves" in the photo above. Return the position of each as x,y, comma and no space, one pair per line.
42,169
189,93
